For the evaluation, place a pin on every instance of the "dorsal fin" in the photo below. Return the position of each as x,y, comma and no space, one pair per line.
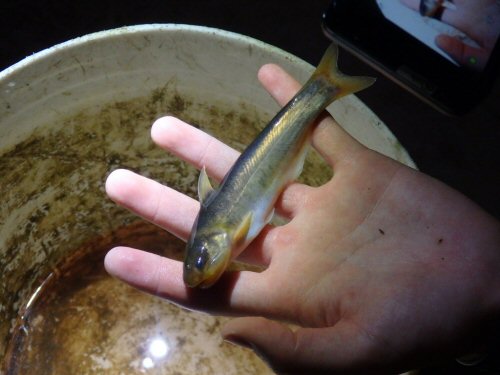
205,189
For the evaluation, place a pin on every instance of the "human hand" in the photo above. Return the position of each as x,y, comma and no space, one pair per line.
479,19
382,268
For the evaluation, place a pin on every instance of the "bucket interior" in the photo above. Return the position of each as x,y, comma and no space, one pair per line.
72,114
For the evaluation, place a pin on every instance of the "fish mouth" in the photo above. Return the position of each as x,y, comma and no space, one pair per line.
192,278
195,278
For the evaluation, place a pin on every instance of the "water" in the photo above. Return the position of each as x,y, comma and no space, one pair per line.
61,313
82,321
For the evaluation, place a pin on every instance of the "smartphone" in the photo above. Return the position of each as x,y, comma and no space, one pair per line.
419,44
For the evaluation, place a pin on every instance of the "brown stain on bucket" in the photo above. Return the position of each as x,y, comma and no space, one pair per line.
54,206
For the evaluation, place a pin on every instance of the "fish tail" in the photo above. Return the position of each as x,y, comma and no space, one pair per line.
343,84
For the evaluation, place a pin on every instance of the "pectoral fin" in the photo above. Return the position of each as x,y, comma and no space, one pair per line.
205,189
269,216
241,232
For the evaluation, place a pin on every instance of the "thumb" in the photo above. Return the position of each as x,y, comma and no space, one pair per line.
464,54
331,350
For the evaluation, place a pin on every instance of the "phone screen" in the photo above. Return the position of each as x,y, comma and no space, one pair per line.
463,32
446,52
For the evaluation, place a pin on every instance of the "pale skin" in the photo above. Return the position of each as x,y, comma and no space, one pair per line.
479,19
383,269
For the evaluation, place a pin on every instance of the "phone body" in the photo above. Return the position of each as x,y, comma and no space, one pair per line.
400,52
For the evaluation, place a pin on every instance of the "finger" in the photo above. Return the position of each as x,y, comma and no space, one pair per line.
146,271
259,251
156,203
201,149
462,53
194,146
271,238
292,199
275,235
328,138
278,83
333,350
235,293
333,143
174,211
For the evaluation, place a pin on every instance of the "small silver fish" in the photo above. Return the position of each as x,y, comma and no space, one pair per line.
234,214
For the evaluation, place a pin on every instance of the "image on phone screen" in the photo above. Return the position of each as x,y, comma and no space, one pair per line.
462,31
446,52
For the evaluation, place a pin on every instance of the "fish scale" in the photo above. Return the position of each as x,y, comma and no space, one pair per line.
234,214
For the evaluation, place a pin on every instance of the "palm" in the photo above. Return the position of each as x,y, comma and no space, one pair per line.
362,260
393,253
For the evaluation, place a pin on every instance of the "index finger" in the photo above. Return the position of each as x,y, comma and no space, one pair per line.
236,293
194,146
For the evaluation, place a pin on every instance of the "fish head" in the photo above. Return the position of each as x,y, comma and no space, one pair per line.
207,256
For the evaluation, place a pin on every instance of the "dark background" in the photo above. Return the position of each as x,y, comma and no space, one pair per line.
462,152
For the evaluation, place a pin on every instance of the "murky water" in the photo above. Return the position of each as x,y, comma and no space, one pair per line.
82,321
61,313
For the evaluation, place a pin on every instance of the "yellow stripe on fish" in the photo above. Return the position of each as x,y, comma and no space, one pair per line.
234,214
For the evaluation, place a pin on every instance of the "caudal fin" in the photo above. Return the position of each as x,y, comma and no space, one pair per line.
344,84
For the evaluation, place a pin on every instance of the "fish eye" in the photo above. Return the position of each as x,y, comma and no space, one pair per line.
202,259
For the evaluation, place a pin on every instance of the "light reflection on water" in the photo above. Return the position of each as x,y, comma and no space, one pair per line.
158,351
85,322
159,348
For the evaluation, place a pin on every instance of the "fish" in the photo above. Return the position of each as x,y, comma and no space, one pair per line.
232,215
